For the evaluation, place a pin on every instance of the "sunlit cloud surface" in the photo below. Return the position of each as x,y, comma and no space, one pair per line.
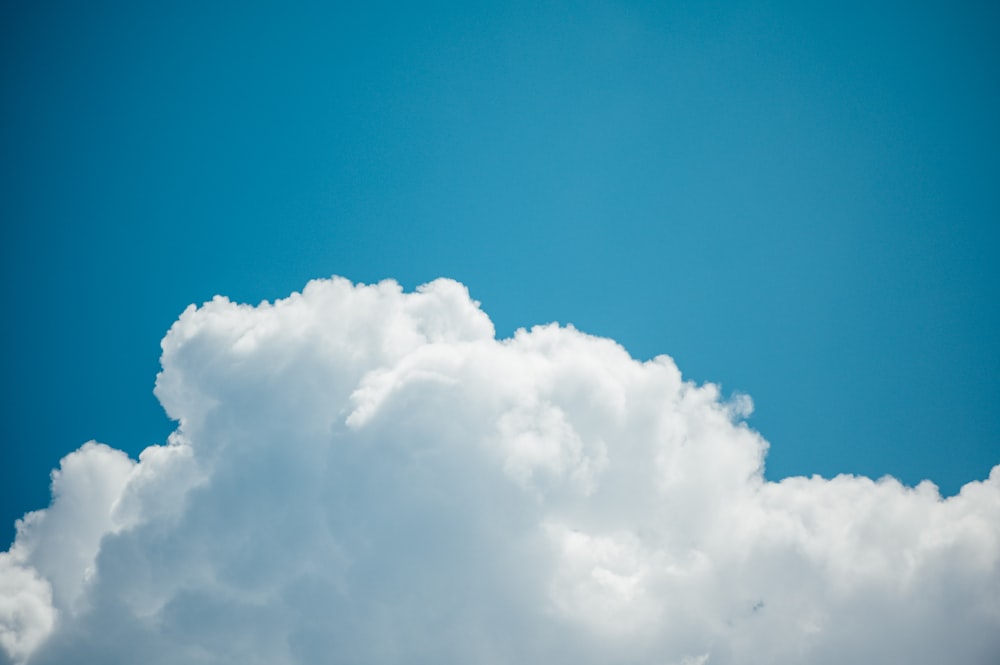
363,475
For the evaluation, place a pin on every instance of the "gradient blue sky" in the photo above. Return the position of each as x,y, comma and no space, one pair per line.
799,203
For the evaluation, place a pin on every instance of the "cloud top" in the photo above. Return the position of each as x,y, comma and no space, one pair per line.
365,475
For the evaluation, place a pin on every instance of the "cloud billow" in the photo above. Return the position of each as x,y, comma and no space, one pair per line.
363,475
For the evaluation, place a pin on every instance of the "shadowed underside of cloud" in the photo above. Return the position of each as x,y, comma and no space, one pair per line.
362,475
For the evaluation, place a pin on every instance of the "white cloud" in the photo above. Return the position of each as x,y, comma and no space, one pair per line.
52,559
365,475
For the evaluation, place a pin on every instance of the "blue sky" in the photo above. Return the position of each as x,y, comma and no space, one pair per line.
800,204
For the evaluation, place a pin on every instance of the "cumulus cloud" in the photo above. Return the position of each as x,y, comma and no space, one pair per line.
363,475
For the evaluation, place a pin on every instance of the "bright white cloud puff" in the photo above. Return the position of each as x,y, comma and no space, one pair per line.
362,475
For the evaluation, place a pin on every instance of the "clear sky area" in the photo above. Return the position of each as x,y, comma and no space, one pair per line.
798,201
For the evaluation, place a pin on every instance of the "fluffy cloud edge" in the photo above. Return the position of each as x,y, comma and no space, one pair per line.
591,446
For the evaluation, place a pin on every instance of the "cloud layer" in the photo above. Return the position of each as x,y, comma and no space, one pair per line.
362,475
